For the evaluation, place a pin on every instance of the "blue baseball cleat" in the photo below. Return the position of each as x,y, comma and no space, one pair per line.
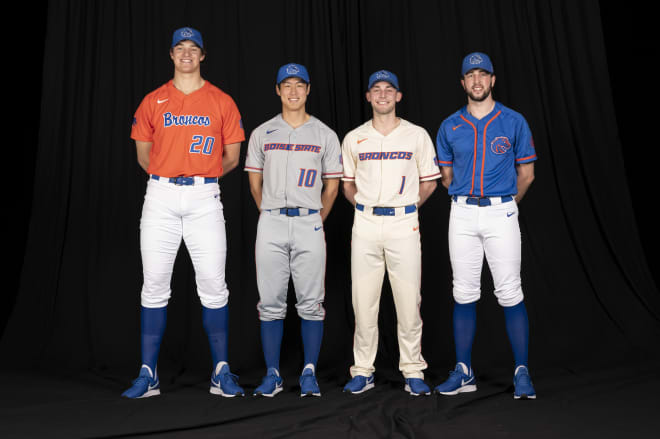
271,384
144,386
460,380
360,384
308,384
416,387
225,383
522,383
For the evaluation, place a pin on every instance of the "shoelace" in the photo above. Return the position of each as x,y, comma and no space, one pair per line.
141,380
229,378
523,379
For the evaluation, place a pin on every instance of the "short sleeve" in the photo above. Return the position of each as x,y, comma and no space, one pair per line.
232,125
426,163
143,129
254,162
348,158
524,146
443,148
332,166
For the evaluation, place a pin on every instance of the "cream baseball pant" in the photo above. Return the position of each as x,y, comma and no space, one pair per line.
193,213
491,230
389,243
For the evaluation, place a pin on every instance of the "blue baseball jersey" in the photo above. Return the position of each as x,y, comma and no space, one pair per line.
484,152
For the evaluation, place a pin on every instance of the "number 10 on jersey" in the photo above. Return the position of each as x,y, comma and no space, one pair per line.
307,177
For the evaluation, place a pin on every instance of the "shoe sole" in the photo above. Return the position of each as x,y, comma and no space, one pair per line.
269,395
368,386
464,389
409,390
524,396
153,392
217,391
310,393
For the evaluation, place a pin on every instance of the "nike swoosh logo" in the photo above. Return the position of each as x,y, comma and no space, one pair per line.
154,386
362,140
463,382
459,125
508,214
316,229
160,101
415,228
271,131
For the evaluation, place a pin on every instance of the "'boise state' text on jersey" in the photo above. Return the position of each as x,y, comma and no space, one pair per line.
294,162
484,152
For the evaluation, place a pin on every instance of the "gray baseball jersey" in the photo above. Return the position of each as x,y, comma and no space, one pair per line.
293,162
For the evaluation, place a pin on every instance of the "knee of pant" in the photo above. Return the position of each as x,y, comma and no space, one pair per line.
152,297
463,296
271,311
509,297
213,293
316,312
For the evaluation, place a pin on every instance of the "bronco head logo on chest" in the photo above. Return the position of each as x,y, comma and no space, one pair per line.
500,145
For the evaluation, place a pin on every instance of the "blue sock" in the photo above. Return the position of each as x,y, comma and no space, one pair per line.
465,326
152,327
517,326
271,341
216,324
312,335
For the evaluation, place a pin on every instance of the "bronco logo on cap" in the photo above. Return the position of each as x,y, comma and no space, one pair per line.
476,59
500,145
382,75
187,33
292,70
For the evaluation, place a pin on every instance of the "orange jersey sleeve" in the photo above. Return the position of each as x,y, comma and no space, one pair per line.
188,132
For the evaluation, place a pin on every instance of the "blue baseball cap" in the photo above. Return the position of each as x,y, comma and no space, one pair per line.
476,60
383,75
187,33
292,70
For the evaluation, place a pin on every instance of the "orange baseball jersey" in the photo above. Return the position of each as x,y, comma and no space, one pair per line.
188,132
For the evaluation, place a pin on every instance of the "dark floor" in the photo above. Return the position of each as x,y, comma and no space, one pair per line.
609,402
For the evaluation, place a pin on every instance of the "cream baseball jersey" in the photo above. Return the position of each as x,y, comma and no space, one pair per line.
387,169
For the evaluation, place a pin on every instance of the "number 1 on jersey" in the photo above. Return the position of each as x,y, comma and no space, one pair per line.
307,177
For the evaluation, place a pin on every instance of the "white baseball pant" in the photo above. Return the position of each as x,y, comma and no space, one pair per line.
493,230
194,213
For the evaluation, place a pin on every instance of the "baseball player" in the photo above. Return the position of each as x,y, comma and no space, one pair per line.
294,166
486,154
389,172
188,134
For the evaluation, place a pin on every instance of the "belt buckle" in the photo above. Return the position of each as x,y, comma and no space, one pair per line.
384,211
293,212
183,181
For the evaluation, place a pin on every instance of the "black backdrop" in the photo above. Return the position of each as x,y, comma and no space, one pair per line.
590,294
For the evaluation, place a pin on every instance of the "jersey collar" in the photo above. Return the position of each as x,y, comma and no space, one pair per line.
486,118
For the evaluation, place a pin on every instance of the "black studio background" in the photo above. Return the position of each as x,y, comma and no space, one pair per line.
589,236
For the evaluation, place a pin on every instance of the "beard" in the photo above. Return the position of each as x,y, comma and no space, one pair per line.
481,98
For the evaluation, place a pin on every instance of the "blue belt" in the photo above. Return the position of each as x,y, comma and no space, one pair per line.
483,201
295,211
186,181
386,211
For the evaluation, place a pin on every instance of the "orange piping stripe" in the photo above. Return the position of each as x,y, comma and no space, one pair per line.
526,158
483,152
474,162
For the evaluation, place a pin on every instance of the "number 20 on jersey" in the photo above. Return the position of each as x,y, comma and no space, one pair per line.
202,145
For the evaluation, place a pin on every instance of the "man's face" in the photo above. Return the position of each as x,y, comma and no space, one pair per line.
478,84
293,93
186,56
383,97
